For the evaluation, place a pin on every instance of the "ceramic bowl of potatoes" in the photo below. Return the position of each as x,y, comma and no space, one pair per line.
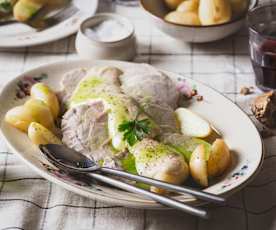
198,21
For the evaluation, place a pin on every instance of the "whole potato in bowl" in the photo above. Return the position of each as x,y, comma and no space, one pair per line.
173,4
212,12
184,18
157,10
188,6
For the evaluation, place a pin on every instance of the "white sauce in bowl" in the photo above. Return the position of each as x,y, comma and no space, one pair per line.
109,30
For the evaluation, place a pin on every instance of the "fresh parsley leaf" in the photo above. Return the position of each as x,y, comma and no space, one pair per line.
135,130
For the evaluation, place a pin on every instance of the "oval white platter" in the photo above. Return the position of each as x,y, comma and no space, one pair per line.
19,35
234,125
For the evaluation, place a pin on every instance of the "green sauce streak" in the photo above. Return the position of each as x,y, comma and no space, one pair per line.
152,153
128,164
187,148
96,88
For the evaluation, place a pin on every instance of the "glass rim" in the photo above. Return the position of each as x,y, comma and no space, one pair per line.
251,26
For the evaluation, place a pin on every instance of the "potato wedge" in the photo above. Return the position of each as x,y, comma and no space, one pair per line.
174,175
183,18
44,93
219,158
198,166
172,4
39,135
25,9
213,12
40,113
188,6
192,124
19,117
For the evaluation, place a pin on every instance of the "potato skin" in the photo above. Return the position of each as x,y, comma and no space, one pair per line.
40,113
172,4
25,9
19,117
176,175
39,135
183,18
44,93
198,166
188,6
213,12
219,159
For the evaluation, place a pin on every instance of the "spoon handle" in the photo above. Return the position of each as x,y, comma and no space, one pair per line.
169,202
157,183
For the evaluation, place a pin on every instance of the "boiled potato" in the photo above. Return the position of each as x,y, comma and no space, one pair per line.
25,9
213,12
184,18
172,4
192,124
188,6
44,93
174,175
20,117
219,158
39,135
40,113
198,166
238,6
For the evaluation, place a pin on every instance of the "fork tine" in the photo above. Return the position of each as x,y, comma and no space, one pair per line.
64,13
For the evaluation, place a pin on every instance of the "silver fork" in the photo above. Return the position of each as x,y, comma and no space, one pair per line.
42,24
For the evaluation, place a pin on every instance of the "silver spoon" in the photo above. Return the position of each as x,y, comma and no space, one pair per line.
74,161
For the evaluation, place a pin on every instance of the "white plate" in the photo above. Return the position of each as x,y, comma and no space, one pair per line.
19,35
235,126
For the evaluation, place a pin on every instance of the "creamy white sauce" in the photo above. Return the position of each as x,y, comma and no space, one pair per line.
108,31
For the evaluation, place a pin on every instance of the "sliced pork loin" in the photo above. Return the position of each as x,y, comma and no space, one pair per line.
155,92
146,84
69,82
84,129
71,79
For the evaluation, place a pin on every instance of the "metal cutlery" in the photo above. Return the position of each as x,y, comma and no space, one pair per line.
40,23
72,161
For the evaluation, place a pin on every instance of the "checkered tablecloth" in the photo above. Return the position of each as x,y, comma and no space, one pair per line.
29,202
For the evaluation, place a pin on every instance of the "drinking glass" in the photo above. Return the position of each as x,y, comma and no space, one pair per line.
262,44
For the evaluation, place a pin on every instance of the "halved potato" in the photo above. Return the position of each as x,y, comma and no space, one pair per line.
172,4
183,18
175,174
40,113
20,117
44,93
198,166
192,124
39,135
188,6
219,158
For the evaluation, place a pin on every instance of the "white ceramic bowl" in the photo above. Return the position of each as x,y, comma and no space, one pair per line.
156,10
123,49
